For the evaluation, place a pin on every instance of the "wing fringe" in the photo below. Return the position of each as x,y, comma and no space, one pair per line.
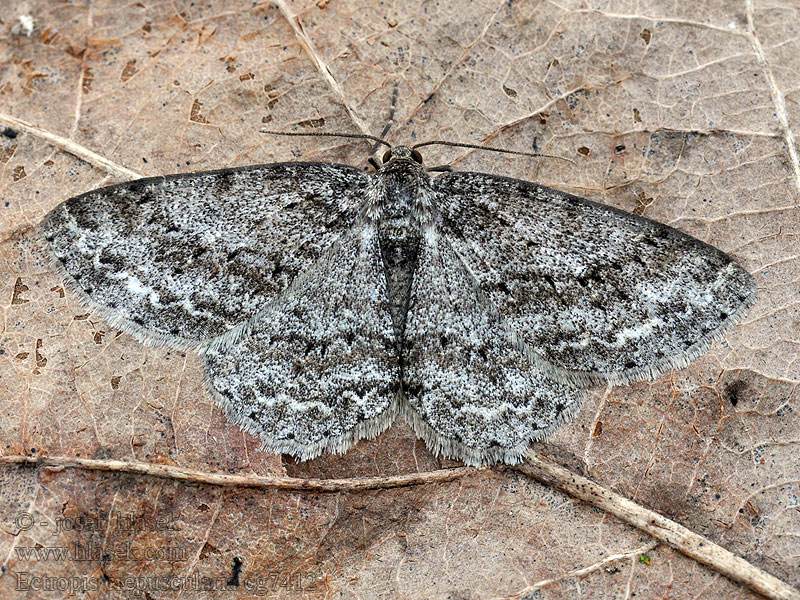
367,429
445,447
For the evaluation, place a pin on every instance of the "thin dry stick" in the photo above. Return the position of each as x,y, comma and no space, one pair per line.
685,541
316,58
582,572
255,481
93,158
679,537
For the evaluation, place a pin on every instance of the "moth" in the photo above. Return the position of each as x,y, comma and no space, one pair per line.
326,301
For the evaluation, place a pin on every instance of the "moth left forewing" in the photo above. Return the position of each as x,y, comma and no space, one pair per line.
593,291
178,260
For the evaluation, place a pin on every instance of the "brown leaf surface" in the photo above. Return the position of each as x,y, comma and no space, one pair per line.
680,111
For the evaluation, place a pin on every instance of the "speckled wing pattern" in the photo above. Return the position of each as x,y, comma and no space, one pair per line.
180,259
594,293
317,370
326,301
472,392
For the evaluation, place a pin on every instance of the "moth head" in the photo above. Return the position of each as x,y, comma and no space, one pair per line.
402,153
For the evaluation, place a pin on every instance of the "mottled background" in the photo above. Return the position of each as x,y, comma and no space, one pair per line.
682,112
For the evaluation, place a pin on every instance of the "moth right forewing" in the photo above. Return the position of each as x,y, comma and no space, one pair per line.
592,290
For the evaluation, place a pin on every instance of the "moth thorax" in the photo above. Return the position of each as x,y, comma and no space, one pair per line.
399,239
401,189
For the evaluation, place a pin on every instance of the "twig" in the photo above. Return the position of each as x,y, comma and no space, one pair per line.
255,481
778,96
582,572
679,537
319,63
661,528
93,158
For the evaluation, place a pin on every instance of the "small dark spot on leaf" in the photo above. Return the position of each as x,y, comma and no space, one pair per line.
735,390
7,153
195,115
19,288
41,361
237,568
128,71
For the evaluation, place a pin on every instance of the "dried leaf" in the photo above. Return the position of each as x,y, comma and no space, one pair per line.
682,113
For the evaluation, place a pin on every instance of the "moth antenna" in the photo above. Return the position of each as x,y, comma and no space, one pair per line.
490,149
389,121
359,136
